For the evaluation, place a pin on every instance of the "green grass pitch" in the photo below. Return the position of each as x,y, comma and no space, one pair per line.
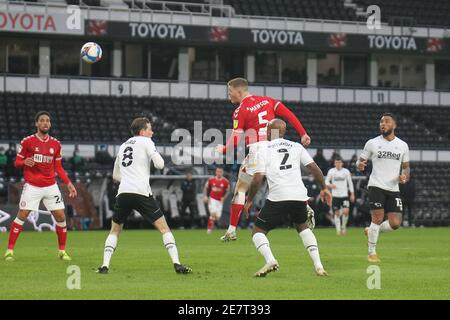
415,265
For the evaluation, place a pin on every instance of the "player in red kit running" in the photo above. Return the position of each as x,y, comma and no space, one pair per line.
219,188
40,157
251,117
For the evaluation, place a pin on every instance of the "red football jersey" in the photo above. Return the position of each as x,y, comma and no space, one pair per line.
253,115
218,187
44,154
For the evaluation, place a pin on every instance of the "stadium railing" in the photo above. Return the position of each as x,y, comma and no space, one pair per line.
239,21
217,90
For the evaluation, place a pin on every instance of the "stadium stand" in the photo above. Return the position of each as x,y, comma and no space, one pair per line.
312,9
416,12
94,119
432,198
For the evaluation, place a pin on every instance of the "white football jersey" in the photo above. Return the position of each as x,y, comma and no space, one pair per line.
133,164
387,158
280,161
342,179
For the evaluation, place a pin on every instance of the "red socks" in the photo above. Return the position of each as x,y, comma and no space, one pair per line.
62,236
16,229
210,224
14,233
236,210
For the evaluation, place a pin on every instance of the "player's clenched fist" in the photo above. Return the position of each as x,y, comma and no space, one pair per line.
362,165
306,140
402,179
29,162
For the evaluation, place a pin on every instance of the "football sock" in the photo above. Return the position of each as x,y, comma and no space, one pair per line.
169,243
386,227
210,223
310,243
14,232
61,232
110,247
374,230
236,209
262,245
344,222
337,223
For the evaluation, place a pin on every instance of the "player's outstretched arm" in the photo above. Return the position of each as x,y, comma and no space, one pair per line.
283,111
325,194
232,142
252,191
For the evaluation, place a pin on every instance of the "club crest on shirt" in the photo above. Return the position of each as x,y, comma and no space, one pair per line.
51,150
36,149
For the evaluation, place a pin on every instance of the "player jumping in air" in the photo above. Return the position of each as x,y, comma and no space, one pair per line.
219,188
251,117
390,160
132,170
40,157
339,180
280,163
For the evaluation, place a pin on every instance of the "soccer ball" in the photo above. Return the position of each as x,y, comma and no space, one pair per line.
91,52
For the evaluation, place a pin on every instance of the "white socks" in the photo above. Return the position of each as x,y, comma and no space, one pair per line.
337,223
19,222
169,243
374,230
62,224
310,243
110,247
344,221
231,229
262,245
386,227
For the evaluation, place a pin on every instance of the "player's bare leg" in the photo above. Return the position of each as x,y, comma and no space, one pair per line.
262,245
110,246
345,214
372,234
169,243
237,204
310,243
61,232
337,221
14,232
393,222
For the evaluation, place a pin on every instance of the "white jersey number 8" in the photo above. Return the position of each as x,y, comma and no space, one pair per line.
127,155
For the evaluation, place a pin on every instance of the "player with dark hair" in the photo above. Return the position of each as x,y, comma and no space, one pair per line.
40,158
280,162
390,160
132,170
215,192
251,118
339,180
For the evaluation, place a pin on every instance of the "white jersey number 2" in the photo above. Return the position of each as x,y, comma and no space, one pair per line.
283,165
